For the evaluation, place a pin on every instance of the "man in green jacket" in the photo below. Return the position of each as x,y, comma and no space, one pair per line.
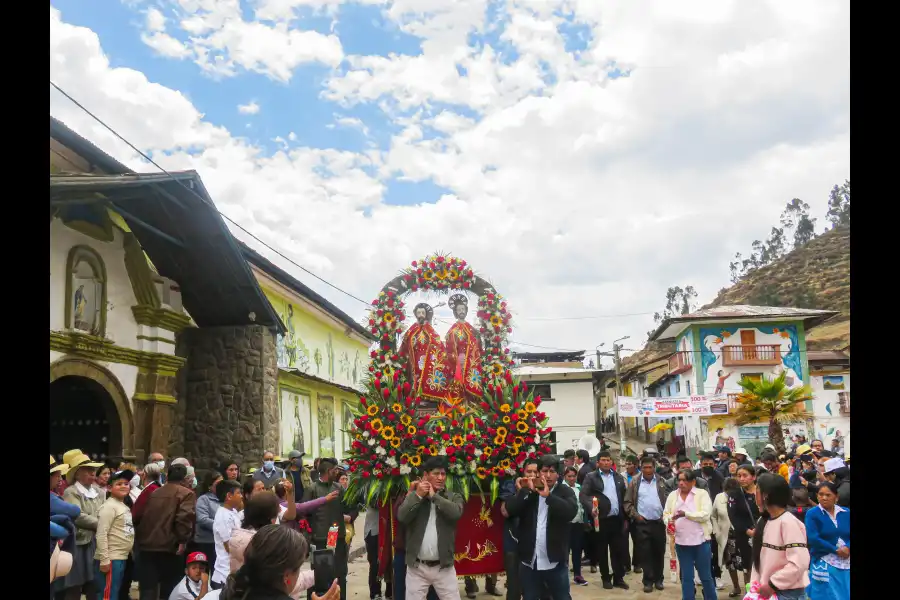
430,515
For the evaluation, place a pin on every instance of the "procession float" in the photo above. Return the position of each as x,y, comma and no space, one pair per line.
455,397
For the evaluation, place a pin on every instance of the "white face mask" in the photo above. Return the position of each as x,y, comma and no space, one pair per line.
161,464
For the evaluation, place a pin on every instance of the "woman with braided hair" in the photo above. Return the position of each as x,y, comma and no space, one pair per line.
271,569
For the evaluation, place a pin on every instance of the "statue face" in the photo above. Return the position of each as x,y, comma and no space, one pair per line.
460,311
420,315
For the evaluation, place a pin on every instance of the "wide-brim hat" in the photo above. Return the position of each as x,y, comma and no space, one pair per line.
804,449
61,468
77,459
741,451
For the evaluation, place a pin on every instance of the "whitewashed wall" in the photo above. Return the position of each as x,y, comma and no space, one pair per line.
571,414
827,424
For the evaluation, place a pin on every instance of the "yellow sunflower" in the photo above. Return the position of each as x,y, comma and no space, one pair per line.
387,432
395,442
520,440
388,371
372,410
501,431
530,407
415,460
406,419
428,274
522,414
454,274
506,419
433,449
411,430
497,369
458,440
521,426
441,274
496,321
505,408
481,472
377,425
505,463
498,440
421,450
404,455
388,317
396,407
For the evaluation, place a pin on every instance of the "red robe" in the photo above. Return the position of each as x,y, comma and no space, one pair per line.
464,356
426,359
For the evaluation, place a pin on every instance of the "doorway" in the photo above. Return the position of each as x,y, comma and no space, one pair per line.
84,416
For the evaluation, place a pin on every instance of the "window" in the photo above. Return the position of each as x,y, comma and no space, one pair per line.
86,291
753,376
542,390
626,389
677,387
687,386
326,426
295,422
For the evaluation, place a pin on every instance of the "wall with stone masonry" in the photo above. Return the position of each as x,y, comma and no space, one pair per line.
230,395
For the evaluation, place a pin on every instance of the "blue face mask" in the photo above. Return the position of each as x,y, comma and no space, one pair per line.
268,465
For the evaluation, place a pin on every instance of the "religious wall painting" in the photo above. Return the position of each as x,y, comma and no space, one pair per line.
325,421
295,421
774,349
86,291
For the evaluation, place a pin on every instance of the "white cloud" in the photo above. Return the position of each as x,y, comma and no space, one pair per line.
251,108
576,193
223,43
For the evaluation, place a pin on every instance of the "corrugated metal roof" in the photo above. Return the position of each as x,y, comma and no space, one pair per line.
536,370
670,327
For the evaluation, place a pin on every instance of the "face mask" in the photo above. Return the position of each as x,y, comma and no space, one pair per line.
268,465
194,483
709,471
161,464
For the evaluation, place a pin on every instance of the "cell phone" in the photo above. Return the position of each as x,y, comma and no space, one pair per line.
323,569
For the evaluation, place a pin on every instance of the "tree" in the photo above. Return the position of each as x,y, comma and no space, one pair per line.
795,218
678,301
839,205
771,400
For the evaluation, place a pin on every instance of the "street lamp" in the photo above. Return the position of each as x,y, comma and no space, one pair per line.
617,364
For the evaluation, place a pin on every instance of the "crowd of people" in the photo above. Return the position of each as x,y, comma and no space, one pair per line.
779,521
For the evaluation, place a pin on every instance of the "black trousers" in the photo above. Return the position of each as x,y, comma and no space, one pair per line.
159,573
372,556
341,553
635,560
714,548
650,537
513,584
609,545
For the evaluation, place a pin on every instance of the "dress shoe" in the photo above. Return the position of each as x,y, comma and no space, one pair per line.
660,586
492,591
607,585
648,589
593,569
638,570
621,584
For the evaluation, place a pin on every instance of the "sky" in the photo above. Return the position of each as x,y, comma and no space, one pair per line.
582,155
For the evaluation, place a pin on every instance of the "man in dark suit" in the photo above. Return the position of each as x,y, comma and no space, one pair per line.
644,503
583,462
608,487
545,509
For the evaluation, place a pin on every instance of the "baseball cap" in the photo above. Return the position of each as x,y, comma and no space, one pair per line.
803,449
125,474
194,557
833,464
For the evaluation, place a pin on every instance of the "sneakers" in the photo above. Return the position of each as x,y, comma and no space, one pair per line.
719,584
579,580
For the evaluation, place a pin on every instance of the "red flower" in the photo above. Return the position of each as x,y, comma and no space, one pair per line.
452,459
403,460
395,471
415,264
445,437
385,392
440,259
450,450
379,475
454,423
366,474
406,387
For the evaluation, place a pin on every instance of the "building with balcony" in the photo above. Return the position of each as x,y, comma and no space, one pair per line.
716,347
830,380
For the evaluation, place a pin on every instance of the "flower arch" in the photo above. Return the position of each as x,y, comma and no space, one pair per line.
487,442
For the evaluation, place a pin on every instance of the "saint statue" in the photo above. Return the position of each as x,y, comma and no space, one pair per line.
425,357
464,349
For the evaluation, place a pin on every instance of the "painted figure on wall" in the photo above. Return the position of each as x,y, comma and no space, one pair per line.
464,350
80,304
329,350
425,357
723,376
318,358
298,432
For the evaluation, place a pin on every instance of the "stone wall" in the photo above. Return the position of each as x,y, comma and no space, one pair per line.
231,395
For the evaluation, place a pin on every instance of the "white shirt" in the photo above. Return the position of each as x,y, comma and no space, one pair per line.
371,524
540,561
223,525
183,592
281,511
429,548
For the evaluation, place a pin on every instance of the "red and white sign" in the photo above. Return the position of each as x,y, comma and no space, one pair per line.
671,406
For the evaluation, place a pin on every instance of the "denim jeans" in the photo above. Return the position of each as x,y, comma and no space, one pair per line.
696,557
400,577
798,594
556,581
576,545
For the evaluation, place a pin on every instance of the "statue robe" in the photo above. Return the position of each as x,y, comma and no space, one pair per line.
424,353
464,356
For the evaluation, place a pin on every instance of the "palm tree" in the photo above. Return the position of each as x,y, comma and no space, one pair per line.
771,399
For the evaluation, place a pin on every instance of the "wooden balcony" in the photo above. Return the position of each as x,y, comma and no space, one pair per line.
751,355
680,362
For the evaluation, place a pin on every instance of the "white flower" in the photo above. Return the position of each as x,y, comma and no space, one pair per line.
531,448
380,451
372,442
391,461
366,434
478,452
405,469
472,466
442,452
510,471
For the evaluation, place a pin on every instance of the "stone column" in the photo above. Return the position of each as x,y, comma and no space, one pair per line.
231,392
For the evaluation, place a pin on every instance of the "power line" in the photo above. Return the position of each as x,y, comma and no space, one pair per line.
223,215
583,318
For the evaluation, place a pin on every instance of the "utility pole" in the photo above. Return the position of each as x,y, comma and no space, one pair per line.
622,441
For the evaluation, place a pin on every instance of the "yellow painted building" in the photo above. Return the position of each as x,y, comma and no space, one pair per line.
323,359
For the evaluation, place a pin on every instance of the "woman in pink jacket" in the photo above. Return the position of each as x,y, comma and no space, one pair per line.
780,553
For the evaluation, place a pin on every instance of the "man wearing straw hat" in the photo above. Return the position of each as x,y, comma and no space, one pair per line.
82,494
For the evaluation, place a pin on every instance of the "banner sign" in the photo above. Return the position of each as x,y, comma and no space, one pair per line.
673,406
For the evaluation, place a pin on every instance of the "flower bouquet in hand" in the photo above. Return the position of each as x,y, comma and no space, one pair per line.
753,593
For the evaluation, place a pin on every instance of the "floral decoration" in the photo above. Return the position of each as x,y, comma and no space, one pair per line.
439,272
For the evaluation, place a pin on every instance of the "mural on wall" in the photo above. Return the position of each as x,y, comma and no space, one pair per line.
347,422
833,382
766,340
314,347
326,426
86,299
295,422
